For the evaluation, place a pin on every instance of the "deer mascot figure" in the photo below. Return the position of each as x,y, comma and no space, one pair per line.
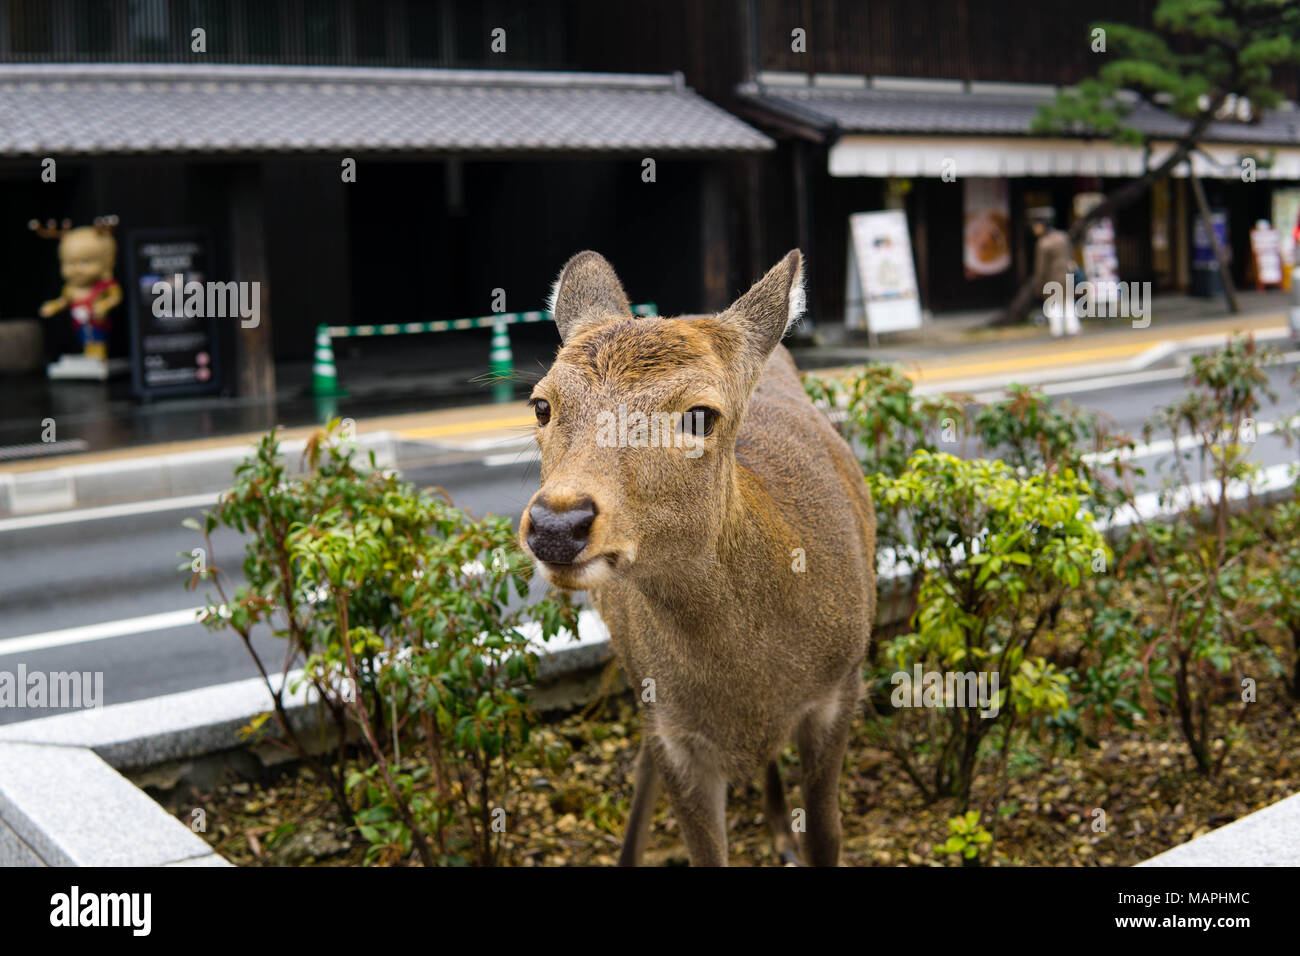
731,557
87,255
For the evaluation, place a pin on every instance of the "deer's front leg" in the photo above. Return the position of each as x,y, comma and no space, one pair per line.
645,792
698,794
822,737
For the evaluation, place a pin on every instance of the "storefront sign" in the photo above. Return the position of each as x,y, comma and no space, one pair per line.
1268,257
1286,219
987,228
173,352
1203,247
881,294
1100,261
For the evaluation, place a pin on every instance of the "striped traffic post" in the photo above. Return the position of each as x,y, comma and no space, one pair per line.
325,382
501,363
324,373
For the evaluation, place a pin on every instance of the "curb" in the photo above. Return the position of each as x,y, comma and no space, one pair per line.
198,475
1268,837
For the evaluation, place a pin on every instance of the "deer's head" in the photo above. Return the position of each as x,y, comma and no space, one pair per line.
637,421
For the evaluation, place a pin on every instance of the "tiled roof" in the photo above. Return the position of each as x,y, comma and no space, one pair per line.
129,108
1006,112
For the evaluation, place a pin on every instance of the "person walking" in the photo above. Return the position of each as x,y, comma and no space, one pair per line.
1052,264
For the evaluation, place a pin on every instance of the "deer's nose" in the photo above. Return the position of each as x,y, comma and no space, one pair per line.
556,537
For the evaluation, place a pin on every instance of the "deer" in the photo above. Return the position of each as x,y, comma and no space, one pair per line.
734,567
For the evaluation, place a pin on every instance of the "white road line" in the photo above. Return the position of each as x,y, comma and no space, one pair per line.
1090,384
98,632
509,458
26,522
1164,446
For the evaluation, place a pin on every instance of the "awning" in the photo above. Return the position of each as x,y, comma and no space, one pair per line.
97,109
889,126
960,157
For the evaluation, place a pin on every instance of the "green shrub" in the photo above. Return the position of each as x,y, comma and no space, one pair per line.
409,620
885,421
1206,599
995,552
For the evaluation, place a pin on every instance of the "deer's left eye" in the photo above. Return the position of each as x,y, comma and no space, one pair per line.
699,421
542,408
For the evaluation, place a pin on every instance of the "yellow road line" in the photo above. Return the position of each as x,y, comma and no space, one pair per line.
461,428
1073,357
1055,358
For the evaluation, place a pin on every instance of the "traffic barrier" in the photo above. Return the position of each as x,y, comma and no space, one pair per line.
325,379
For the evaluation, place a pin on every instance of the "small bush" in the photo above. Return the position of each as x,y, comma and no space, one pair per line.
411,623
995,552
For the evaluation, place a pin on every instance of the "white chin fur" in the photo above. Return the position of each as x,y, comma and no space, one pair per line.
585,576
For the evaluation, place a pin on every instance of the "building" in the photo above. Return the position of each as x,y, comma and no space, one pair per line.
480,157
492,140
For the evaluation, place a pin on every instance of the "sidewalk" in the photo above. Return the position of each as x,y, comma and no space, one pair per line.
949,355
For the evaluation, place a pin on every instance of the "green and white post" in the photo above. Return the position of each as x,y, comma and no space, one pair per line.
324,374
501,362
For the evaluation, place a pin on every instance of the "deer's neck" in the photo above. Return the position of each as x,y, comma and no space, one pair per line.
699,590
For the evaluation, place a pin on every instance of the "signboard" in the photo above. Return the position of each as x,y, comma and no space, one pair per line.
1203,247
1268,255
881,294
1286,217
1100,261
987,227
174,351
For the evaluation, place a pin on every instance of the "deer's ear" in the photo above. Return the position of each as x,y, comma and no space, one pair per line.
768,309
587,294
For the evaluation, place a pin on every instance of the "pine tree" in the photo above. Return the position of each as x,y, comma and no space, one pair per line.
1200,60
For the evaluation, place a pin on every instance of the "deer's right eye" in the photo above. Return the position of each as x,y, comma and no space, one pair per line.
699,421
542,408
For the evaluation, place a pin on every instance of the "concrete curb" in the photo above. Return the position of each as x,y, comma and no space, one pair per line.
151,478
64,803
64,806
1268,837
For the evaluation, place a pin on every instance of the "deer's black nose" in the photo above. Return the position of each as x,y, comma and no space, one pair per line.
556,537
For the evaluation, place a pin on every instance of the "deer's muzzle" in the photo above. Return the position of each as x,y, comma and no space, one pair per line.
558,536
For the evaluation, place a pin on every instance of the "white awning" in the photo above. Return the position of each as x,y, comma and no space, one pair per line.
961,156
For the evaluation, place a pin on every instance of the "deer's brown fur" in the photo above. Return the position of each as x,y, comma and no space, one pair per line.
692,562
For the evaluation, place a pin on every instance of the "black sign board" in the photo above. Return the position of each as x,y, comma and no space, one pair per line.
174,349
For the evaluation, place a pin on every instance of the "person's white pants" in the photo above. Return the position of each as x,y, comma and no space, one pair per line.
1061,317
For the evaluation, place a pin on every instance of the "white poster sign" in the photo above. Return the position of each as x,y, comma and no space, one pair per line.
1268,255
881,283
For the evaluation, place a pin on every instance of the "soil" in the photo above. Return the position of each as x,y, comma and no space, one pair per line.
1143,780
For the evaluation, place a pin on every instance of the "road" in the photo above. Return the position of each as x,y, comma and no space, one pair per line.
112,577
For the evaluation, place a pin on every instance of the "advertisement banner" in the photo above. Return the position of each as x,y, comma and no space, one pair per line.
987,224
1286,219
881,284
173,349
1268,256
1100,260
